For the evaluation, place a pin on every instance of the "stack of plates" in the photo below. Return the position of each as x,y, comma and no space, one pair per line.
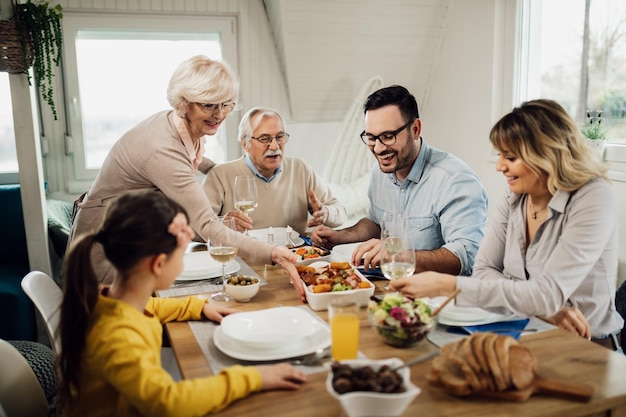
200,265
452,315
271,334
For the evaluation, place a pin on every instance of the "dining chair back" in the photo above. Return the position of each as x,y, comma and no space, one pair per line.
47,297
20,391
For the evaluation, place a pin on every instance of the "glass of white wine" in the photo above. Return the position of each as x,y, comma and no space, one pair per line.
397,255
223,254
246,196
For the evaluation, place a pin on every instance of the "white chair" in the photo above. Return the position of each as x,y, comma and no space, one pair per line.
47,297
20,391
348,177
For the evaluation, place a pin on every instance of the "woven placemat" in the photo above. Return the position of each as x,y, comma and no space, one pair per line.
204,287
203,332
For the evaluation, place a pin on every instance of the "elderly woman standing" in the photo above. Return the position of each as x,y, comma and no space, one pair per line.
551,247
164,152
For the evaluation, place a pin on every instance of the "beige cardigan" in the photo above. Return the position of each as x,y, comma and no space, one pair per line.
152,156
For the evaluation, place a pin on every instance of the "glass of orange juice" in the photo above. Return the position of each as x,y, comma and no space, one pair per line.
344,329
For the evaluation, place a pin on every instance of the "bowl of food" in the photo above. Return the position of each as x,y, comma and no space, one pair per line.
309,254
370,387
400,321
326,282
242,287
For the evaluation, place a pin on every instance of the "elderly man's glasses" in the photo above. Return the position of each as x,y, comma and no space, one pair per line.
213,108
386,138
281,138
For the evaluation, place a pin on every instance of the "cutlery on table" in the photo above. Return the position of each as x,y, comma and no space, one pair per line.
312,359
178,284
419,359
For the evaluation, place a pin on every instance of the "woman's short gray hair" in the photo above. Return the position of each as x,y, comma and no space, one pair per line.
246,126
202,80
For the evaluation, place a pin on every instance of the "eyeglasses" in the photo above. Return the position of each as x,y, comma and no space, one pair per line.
386,138
281,138
212,108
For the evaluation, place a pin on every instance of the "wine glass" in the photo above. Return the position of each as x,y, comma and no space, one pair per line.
223,254
397,254
246,195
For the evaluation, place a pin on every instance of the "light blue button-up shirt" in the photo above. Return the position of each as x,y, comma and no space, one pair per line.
444,200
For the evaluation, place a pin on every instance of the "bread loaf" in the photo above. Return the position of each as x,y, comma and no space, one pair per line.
483,362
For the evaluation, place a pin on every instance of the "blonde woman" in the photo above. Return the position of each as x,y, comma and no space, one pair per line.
551,247
164,152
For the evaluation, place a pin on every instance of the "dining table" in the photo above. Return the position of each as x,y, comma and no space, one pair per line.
560,355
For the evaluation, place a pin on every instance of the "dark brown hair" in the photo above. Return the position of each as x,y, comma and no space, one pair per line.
135,227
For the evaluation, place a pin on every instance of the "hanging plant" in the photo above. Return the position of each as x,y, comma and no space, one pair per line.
39,26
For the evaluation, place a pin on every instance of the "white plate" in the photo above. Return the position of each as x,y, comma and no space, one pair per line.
320,301
311,260
270,328
451,315
303,346
200,265
280,235
344,252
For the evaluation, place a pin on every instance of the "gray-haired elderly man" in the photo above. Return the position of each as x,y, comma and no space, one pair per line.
288,188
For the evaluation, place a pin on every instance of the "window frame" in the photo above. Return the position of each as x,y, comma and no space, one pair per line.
78,176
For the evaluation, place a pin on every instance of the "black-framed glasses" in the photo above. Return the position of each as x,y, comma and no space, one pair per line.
386,138
212,108
281,138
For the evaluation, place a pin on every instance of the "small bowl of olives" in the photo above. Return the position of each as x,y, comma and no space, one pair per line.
371,387
242,287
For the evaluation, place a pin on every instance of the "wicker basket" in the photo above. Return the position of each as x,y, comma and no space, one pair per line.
11,56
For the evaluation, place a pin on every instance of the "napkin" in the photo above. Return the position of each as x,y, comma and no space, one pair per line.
513,328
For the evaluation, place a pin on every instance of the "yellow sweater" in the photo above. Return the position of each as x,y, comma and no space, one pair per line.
122,373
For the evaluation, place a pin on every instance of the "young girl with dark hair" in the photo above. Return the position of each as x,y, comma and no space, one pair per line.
111,336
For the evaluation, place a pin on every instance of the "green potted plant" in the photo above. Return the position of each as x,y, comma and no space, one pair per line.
39,27
594,132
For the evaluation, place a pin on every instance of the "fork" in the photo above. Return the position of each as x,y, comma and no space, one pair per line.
312,359
180,284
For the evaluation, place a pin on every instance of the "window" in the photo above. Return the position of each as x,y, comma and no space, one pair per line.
8,154
116,70
554,48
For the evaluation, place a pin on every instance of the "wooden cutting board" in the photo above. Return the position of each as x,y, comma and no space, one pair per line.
546,386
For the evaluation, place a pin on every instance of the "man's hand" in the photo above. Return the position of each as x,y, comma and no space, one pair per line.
320,211
324,237
242,220
369,253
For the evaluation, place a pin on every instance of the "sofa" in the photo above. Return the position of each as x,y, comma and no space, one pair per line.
17,313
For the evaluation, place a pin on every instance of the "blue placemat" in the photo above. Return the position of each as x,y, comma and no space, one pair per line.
513,328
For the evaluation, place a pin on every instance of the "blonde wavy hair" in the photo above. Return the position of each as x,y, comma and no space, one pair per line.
202,80
544,136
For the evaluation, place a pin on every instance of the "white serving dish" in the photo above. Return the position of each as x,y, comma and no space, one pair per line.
200,265
344,251
321,301
304,346
312,260
270,328
280,235
362,404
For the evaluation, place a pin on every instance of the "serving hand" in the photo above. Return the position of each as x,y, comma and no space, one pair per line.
242,220
320,211
287,260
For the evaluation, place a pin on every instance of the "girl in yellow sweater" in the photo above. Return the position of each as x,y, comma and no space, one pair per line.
111,336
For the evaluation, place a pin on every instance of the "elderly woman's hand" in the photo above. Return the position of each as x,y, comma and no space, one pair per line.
287,260
242,220
572,320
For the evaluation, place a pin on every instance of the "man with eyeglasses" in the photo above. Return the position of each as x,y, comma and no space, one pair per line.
288,188
445,202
